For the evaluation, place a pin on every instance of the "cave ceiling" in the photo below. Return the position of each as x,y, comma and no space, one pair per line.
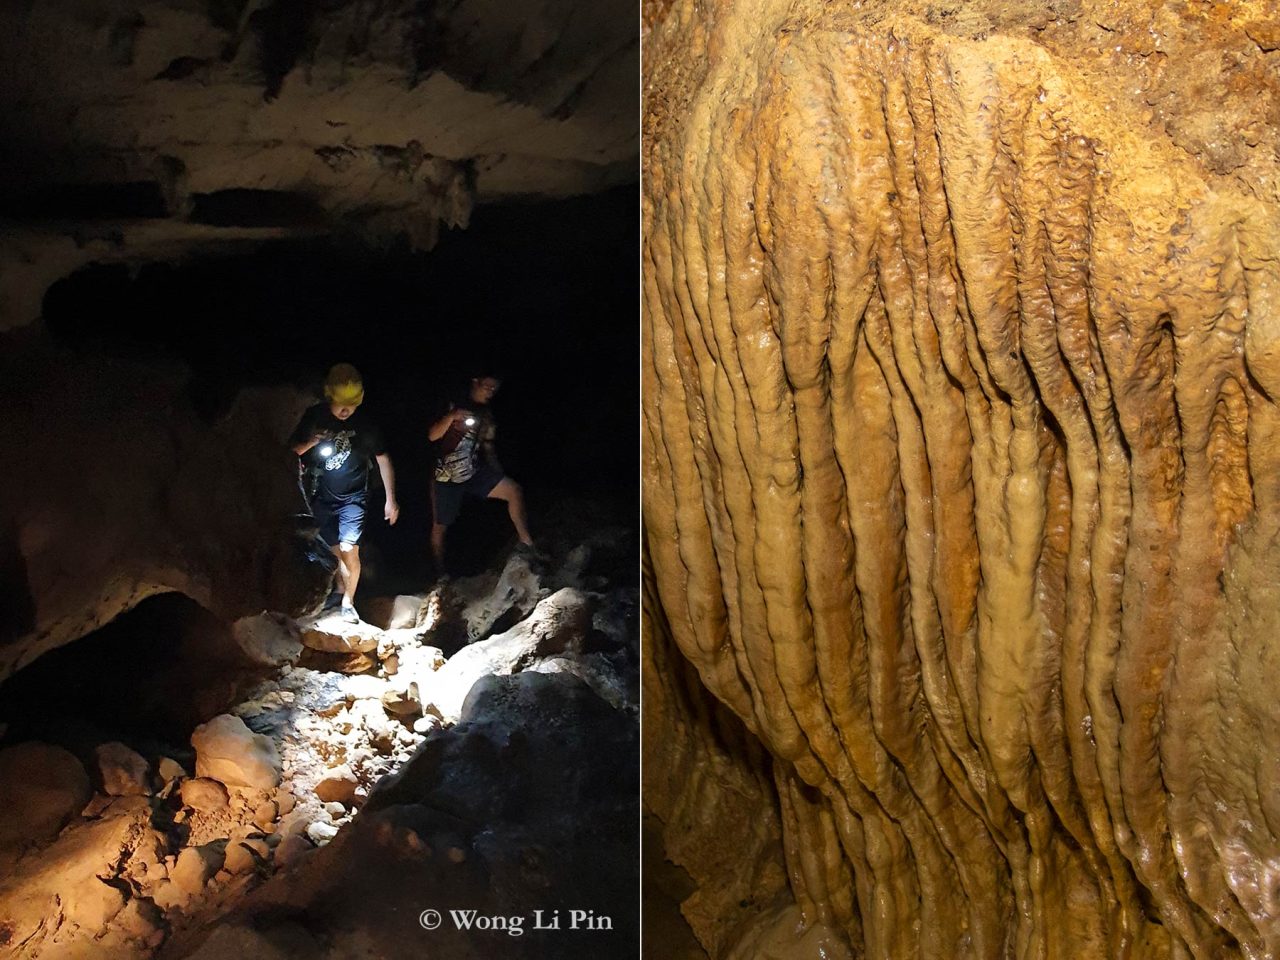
139,131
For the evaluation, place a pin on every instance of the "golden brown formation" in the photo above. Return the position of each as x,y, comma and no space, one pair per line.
960,468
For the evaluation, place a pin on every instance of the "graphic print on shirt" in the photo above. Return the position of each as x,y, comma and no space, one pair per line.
341,450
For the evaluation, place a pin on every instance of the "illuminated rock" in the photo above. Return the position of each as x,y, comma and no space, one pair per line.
229,751
960,472
123,771
41,788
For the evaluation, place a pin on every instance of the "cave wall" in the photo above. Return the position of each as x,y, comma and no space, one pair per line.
960,488
117,490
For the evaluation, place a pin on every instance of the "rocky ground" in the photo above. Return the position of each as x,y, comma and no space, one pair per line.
474,747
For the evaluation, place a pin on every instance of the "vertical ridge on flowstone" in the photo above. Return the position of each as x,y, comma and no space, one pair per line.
960,481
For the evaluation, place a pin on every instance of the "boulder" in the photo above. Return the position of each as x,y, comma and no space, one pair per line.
204,794
269,639
229,751
340,785
41,788
195,867
170,769
334,635
123,771
558,623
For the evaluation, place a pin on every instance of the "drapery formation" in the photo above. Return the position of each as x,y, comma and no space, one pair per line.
961,485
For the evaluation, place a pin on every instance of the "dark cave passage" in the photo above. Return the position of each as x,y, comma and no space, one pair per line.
163,392
543,294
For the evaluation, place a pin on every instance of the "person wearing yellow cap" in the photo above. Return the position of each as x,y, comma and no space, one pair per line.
336,442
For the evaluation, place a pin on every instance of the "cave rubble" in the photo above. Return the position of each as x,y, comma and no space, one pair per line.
295,762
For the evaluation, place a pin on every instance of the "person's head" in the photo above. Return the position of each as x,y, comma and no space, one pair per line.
484,387
344,389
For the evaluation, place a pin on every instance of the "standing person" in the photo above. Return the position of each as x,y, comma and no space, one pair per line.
467,465
336,442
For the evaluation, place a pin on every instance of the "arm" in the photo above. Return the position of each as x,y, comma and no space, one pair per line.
441,426
392,510
304,446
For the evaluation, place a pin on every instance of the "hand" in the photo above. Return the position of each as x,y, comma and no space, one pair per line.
322,435
392,512
460,418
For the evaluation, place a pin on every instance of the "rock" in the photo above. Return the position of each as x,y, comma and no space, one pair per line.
427,724
507,602
403,703
169,770
268,639
245,855
64,887
194,868
335,810
285,801
204,794
124,772
334,635
393,613
558,623
339,785
268,812
229,751
41,788
321,832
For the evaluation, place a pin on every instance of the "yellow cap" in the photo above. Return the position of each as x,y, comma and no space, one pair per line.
343,386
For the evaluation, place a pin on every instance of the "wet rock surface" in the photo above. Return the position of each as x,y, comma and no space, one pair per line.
960,369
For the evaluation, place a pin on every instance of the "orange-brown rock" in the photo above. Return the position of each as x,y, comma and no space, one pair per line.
961,339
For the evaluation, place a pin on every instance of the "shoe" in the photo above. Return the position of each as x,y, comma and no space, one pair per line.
348,613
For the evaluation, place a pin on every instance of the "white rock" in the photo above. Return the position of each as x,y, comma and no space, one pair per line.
405,611
124,772
321,832
229,751
334,809
426,724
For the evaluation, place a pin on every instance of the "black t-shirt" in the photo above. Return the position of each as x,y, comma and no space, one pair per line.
341,463
458,451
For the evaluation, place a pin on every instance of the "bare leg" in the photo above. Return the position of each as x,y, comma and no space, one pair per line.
341,574
438,530
350,557
510,491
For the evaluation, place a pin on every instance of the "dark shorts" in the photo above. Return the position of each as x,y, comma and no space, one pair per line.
341,519
446,498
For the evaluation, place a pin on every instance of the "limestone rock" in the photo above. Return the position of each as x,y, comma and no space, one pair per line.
331,634
558,623
229,751
242,856
960,490
321,832
268,639
169,769
204,794
124,772
340,785
195,867
41,787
